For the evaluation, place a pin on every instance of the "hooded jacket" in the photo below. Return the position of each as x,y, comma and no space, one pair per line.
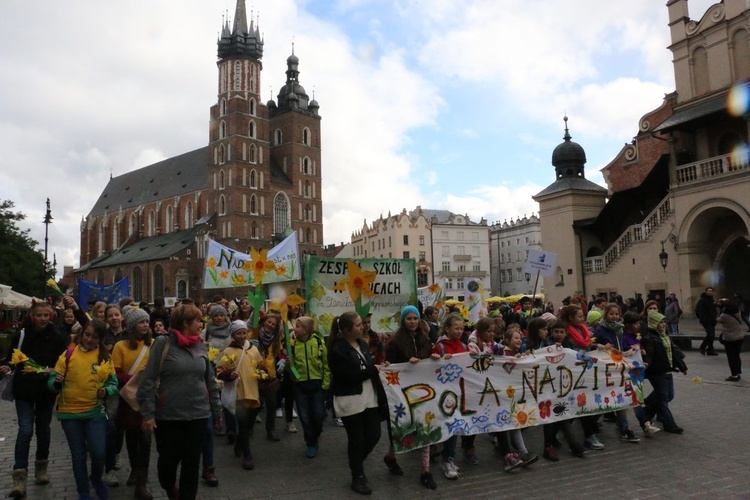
310,358
705,310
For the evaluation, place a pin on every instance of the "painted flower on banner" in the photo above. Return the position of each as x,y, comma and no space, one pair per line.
448,373
259,265
598,398
392,378
510,391
429,417
620,399
581,399
408,441
637,373
524,417
545,409
211,262
400,410
357,283
281,270
504,418
582,356
224,275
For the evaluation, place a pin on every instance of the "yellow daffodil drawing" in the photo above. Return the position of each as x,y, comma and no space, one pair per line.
259,265
434,289
282,304
357,283
211,263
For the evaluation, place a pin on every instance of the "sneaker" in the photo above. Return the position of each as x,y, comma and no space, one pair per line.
258,420
310,451
528,459
593,443
290,427
279,413
470,457
338,422
550,454
650,428
450,470
111,479
733,378
393,466
628,436
577,450
361,486
102,493
511,462
426,480
294,415
247,462
675,430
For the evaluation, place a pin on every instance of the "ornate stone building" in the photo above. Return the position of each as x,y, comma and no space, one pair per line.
676,215
258,178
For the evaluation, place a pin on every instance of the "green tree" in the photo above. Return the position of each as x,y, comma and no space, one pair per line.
22,266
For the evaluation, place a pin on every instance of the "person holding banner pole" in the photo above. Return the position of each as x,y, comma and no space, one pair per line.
410,344
356,391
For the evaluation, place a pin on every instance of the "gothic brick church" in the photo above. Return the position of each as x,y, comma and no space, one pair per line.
258,178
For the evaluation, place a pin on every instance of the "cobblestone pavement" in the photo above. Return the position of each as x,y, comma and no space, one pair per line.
710,460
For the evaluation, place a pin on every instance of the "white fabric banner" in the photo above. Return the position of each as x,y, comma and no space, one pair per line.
430,401
226,267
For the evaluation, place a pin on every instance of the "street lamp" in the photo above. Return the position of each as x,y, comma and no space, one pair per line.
663,255
663,258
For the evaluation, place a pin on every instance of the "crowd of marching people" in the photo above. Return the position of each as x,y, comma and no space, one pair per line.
123,375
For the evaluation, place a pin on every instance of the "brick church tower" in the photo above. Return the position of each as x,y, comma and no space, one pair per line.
264,160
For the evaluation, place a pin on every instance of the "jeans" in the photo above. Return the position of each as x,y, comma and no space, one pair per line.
733,348
657,403
30,413
363,433
245,423
115,439
449,448
310,398
86,434
708,341
179,444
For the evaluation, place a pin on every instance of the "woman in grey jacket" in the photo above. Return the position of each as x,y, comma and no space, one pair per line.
733,335
177,395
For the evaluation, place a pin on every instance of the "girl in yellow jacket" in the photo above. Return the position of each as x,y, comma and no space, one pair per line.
84,377
240,367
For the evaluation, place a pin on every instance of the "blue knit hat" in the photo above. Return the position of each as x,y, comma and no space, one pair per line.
409,309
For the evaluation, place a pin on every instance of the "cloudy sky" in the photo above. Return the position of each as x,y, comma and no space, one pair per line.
446,104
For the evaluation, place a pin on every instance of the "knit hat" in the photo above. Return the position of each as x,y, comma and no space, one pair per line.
217,309
236,326
408,310
133,316
549,318
654,318
593,316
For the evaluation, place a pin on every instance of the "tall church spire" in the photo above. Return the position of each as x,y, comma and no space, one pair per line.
240,43
240,19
